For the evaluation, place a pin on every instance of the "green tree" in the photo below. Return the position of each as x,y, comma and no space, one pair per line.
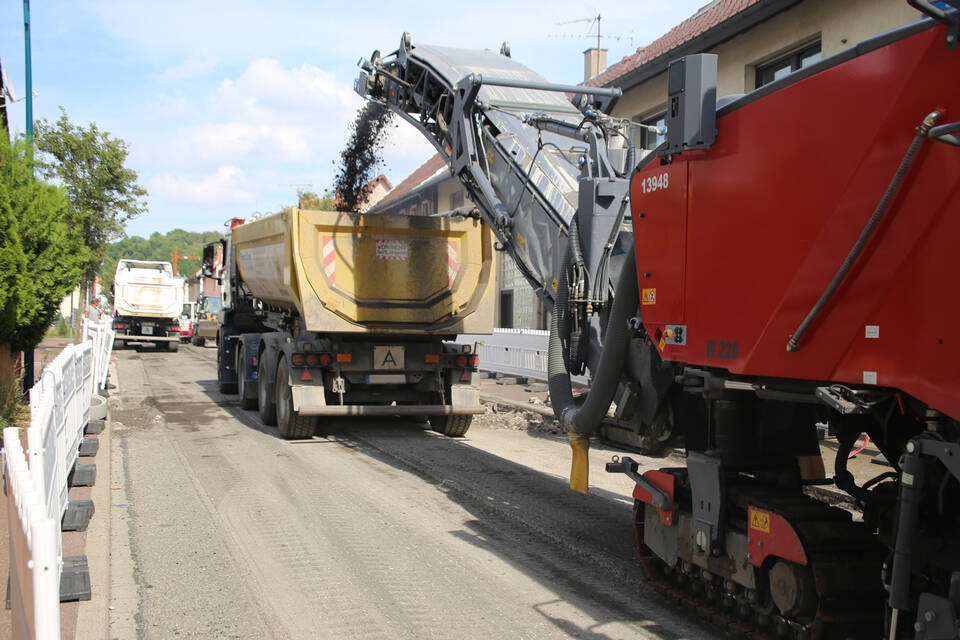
103,194
41,261
157,247
310,200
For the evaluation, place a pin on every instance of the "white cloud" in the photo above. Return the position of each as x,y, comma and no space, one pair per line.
226,185
269,113
192,67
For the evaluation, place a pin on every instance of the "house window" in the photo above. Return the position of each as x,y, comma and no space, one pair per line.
506,309
413,209
425,208
784,66
650,139
456,199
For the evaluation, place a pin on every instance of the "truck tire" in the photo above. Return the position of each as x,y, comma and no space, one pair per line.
291,425
267,409
163,346
119,345
243,381
451,426
173,346
197,341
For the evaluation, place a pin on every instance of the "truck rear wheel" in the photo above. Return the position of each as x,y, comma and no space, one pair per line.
119,345
451,426
247,400
267,409
292,426
173,346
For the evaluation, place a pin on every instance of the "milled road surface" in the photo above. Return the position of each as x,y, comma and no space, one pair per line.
373,529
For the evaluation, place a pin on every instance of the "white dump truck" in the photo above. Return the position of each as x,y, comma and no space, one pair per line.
147,300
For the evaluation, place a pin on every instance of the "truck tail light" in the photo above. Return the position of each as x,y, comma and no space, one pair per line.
344,357
325,359
312,359
432,358
298,360
473,361
119,325
461,361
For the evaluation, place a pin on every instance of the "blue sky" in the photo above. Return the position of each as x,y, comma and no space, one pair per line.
225,105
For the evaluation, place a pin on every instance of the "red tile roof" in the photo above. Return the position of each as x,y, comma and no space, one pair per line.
702,21
423,173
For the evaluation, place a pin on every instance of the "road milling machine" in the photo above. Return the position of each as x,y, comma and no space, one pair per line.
782,259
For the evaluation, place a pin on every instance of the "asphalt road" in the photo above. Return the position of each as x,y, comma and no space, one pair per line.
372,529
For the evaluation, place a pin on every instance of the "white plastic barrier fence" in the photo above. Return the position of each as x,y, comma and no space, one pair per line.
515,352
59,411
34,555
101,334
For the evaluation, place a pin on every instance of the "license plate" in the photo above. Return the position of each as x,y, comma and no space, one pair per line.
386,378
147,330
388,358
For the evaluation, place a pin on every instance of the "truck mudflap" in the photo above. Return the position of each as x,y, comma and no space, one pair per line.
311,401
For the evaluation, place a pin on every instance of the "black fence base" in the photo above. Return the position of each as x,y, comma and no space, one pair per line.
94,427
78,515
83,475
75,579
89,447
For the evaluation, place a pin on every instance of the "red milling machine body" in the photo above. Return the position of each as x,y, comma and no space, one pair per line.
736,243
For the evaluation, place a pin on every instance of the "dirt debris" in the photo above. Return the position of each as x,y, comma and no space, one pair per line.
505,416
362,155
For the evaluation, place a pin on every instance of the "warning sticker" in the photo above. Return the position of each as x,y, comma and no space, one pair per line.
393,249
648,296
760,521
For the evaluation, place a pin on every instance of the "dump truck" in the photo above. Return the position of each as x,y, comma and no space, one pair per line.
147,300
344,314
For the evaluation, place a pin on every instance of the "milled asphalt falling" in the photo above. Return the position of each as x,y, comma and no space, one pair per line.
372,529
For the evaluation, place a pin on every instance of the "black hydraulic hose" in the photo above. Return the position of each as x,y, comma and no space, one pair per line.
868,231
586,419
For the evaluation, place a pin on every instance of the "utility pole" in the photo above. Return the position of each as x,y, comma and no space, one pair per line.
28,355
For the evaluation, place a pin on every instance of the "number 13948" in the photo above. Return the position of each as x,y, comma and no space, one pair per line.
653,183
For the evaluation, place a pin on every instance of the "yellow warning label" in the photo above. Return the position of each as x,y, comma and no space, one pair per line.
663,343
648,296
760,521
554,284
521,241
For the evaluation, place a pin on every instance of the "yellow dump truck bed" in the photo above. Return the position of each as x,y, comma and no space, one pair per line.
355,273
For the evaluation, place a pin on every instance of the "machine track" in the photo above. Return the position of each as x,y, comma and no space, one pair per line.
849,605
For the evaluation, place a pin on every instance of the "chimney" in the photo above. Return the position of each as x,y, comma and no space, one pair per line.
594,62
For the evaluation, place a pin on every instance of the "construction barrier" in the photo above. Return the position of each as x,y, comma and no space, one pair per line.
36,485
34,553
514,352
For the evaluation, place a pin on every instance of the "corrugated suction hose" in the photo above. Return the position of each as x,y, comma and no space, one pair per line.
582,422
